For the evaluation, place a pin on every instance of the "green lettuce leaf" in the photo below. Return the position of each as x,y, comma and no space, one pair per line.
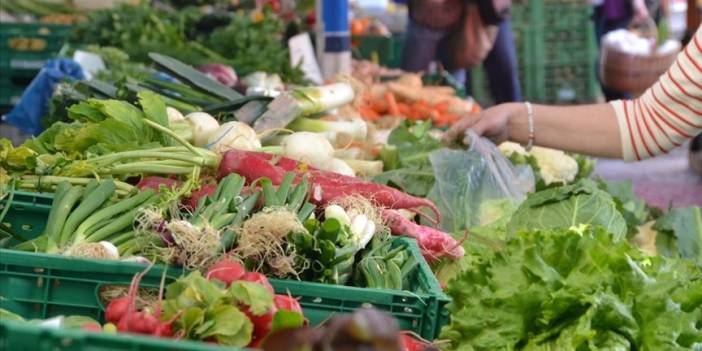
569,206
574,290
680,233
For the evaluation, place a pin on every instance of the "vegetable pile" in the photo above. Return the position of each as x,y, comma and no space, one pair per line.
571,289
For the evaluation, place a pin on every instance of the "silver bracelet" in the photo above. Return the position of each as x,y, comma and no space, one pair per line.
530,120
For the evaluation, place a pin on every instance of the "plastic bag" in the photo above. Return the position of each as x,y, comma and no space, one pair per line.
477,186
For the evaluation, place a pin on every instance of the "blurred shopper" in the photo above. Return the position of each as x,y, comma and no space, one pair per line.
430,41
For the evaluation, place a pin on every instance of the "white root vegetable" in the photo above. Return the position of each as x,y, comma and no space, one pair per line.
308,147
174,115
111,249
362,229
203,125
233,135
338,166
358,224
338,213
368,233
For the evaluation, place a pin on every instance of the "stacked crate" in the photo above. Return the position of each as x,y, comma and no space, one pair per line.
556,52
24,47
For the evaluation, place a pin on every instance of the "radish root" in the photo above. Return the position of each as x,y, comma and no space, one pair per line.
195,248
262,239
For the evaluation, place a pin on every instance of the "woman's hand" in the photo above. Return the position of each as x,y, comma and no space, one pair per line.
492,123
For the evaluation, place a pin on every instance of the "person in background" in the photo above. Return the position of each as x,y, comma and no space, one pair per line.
610,15
666,116
425,45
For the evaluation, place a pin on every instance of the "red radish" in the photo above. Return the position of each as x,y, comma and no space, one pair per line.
93,327
432,242
256,277
408,342
250,165
226,271
116,309
143,323
326,186
286,302
164,330
262,324
155,183
205,190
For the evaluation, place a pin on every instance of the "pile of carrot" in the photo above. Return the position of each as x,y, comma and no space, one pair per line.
371,109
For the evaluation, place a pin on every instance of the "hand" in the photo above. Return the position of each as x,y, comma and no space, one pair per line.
491,123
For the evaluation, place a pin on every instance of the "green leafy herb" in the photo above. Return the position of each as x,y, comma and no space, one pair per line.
406,159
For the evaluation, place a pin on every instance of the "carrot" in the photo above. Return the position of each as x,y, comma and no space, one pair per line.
422,109
367,113
403,108
442,106
392,104
379,106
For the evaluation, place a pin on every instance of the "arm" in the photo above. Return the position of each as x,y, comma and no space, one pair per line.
588,129
668,114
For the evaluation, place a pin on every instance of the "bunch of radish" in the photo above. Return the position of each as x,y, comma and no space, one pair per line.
157,320
229,271
123,313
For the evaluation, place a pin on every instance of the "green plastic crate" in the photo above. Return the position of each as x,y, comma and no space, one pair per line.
11,89
27,214
40,285
25,46
17,336
385,50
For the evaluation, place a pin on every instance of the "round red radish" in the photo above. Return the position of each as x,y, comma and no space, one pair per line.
205,190
286,302
143,323
226,271
256,277
93,327
164,330
410,343
262,324
116,309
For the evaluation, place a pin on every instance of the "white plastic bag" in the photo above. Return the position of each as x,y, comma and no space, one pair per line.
477,186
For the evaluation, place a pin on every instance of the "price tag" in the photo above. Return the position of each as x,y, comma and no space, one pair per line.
301,51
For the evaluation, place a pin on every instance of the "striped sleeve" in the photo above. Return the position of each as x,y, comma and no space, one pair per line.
668,113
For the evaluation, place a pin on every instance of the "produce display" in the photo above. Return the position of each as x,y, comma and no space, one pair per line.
199,151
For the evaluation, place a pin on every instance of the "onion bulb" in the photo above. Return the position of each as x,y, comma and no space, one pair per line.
233,135
203,125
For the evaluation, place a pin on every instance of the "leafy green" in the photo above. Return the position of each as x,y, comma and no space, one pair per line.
574,290
206,309
254,295
680,233
634,209
406,159
569,206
